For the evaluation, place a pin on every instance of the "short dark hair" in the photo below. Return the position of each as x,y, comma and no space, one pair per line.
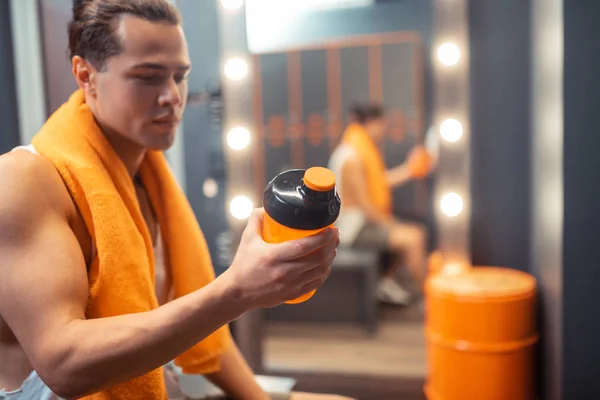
367,111
92,27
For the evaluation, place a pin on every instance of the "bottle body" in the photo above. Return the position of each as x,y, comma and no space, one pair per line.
274,232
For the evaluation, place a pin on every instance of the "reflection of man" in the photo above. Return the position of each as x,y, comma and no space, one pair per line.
365,187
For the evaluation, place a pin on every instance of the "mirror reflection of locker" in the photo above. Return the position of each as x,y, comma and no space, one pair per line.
302,98
309,66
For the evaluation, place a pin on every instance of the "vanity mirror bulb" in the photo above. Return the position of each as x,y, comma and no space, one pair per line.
236,68
451,130
241,207
451,204
448,54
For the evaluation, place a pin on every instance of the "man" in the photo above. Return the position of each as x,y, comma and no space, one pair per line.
66,273
366,187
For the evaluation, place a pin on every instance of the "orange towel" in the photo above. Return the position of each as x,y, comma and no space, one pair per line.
121,277
374,166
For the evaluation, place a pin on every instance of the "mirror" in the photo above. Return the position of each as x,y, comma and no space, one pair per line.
311,62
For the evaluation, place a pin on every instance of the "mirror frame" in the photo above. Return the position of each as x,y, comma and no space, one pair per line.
451,100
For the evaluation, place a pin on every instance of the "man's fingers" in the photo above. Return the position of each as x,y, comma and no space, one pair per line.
321,256
295,249
314,284
254,225
316,272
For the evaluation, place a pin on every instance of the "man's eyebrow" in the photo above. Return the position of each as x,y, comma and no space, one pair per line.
162,67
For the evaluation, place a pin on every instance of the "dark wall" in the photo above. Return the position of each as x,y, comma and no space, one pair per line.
581,357
9,132
500,132
202,130
60,84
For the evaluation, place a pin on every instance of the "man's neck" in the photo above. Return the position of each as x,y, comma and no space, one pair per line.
130,153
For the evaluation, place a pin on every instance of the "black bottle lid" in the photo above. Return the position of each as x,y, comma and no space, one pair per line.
304,200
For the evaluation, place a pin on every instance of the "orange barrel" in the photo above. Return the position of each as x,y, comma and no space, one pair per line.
481,330
297,204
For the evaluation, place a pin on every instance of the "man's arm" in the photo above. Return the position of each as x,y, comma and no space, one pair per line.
354,180
399,175
44,289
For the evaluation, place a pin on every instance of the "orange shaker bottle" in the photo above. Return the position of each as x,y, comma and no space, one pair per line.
297,204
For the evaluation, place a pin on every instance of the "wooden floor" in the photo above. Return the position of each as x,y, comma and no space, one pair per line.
396,350
359,387
345,360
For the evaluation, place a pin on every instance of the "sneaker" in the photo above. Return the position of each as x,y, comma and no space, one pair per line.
388,291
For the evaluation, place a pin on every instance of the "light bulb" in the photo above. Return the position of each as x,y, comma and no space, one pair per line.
236,68
210,188
448,54
238,138
451,130
241,207
232,4
451,204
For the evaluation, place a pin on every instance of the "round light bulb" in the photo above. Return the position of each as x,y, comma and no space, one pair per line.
451,204
451,130
448,54
241,207
236,69
232,4
210,188
238,138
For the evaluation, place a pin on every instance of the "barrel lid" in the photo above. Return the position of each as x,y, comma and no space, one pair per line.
485,283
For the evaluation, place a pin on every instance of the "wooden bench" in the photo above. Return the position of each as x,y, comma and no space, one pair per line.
348,295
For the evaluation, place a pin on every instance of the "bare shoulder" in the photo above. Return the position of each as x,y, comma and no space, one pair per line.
43,277
31,189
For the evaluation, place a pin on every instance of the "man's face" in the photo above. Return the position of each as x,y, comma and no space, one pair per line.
377,127
141,92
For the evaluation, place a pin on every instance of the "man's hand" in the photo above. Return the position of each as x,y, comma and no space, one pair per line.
266,275
419,162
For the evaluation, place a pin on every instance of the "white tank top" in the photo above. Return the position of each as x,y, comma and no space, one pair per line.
351,220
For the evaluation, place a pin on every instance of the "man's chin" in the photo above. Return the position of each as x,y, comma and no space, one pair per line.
161,142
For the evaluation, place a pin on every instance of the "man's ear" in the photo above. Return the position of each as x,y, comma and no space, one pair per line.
85,75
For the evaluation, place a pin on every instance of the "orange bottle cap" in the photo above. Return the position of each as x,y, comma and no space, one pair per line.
319,179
